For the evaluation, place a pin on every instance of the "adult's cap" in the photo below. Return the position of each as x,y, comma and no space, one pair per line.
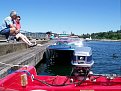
13,13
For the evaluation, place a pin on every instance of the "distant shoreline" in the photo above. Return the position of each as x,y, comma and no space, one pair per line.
106,40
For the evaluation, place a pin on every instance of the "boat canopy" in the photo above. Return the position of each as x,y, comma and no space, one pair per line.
83,51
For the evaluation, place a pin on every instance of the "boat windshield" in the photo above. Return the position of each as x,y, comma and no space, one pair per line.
69,41
62,43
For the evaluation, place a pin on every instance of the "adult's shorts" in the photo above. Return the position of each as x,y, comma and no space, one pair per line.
5,32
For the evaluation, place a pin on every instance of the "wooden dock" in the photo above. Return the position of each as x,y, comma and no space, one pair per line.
20,54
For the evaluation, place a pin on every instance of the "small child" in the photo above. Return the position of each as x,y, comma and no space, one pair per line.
21,36
18,25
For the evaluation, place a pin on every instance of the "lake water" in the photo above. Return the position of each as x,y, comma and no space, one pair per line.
106,55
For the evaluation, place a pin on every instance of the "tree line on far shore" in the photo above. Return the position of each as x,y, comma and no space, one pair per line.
113,35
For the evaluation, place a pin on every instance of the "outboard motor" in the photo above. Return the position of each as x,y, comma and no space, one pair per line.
82,61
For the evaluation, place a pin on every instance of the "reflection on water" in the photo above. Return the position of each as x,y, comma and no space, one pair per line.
54,69
107,57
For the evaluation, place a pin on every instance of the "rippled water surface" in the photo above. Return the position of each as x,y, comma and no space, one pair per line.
106,55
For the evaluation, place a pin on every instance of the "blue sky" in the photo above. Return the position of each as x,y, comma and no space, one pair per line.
77,16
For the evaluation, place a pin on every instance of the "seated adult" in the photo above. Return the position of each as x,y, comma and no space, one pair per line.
8,27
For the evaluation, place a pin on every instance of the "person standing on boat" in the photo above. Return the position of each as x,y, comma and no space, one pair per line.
21,36
8,27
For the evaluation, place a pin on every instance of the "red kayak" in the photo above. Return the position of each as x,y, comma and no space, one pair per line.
26,79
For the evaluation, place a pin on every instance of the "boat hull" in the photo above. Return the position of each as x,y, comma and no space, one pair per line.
12,82
58,57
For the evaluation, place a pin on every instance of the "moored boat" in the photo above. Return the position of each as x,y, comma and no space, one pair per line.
26,79
62,49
